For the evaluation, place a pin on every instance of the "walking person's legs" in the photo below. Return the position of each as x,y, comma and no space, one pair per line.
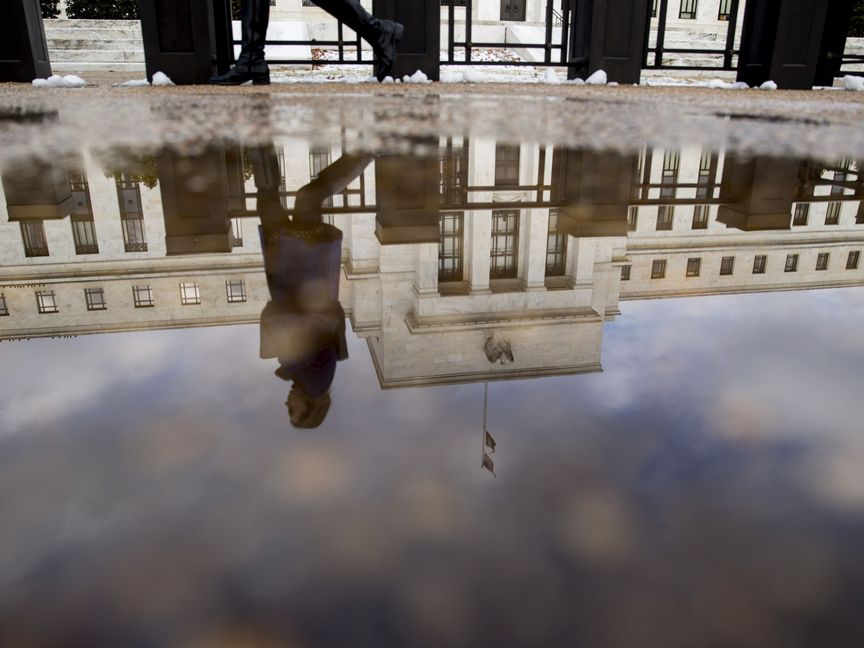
382,35
250,66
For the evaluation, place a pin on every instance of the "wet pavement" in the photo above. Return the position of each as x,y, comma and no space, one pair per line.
429,367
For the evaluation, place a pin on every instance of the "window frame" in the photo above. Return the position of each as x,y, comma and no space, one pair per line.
92,304
231,296
190,293
760,264
723,268
658,269
822,261
143,302
42,303
694,267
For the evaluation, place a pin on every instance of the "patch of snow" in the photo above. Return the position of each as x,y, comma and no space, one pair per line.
551,77
478,76
388,79
719,84
161,79
56,81
598,78
612,84
133,83
851,82
417,77
577,81
768,85
451,76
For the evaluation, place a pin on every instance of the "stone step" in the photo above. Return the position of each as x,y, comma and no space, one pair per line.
135,70
81,23
96,56
88,44
100,35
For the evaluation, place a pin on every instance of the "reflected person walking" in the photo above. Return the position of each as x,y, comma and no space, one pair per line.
382,35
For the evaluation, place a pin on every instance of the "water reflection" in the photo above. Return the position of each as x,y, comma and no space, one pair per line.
455,265
703,488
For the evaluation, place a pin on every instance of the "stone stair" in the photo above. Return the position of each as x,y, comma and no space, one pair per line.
105,45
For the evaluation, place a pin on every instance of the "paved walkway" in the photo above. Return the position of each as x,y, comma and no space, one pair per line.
822,123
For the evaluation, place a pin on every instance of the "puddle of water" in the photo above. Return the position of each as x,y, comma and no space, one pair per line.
475,394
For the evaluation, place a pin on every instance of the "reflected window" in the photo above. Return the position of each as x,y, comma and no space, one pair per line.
505,244
4,309
665,215
791,263
453,173
693,267
658,269
671,165
759,264
95,298
143,296
700,217
802,213
841,175
625,272
131,214
822,261
859,219
688,10
506,165
832,216
707,167
450,246
84,235
632,218
852,260
237,232
46,300
727,265
190,295
33,235
556,248
725,11
83,229
236,291
320,158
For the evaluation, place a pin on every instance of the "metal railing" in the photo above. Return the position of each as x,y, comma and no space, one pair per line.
660,50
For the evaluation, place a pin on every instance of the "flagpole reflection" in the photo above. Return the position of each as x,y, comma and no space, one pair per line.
488,441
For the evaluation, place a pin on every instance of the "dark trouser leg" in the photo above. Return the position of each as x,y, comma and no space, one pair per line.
382,35
332,180
352,13
254,18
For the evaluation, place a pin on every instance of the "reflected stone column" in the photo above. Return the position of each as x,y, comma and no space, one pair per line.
537,226
478,224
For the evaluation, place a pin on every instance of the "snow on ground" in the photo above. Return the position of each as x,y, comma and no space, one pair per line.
57,81
853,82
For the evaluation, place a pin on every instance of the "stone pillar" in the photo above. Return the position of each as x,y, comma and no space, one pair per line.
535,263
780,42
426,271
608,35
479,228
421,43
23,48
758,193
189,40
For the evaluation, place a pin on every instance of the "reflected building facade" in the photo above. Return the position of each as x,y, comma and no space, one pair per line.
531,246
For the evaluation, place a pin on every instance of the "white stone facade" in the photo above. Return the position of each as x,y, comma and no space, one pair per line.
420,330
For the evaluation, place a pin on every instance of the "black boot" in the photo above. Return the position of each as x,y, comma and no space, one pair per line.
382,35
251,66
258,73
389,34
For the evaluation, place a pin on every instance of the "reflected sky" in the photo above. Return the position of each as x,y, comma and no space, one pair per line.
703,488
670,340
